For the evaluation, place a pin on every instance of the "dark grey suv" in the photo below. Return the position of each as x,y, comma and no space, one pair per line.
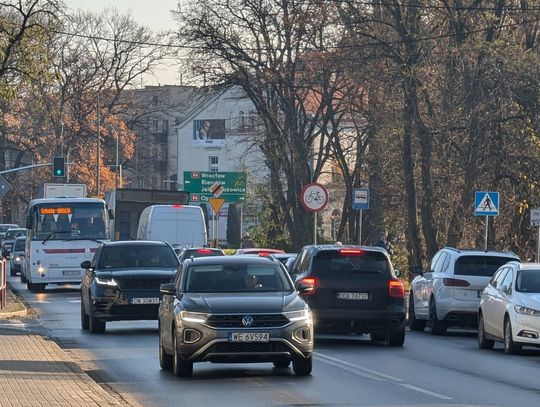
240,309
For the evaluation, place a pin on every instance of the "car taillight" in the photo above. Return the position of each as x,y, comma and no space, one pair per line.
177,206
308,281
351,252
204,251
395,289
455,282
264,254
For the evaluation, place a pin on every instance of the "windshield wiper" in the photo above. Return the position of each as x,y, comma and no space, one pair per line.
55,233
93,239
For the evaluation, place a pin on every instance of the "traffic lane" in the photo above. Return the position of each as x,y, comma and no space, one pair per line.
451,365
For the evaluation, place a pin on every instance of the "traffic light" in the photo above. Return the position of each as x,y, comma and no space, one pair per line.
59,166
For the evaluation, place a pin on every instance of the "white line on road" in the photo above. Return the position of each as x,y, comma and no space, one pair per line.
364,369
421,390
354,370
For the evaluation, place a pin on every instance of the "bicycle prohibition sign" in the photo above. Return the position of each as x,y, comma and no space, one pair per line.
314,197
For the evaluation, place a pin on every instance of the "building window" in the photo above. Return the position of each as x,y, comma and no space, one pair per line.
213,162
241,119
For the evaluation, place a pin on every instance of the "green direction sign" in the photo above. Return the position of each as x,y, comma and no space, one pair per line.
198,184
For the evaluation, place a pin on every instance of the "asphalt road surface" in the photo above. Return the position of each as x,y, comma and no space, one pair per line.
348,371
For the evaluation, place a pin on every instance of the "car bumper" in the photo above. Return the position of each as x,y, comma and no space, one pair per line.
526,329
214,344
111,304
358,321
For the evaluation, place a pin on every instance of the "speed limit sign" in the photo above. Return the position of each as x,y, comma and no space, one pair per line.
314,197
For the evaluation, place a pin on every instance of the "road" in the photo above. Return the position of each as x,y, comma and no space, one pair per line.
348,371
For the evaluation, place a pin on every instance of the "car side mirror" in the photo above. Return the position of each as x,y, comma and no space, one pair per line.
397,272
87,264
504,289
168,289
305,287
111,213
29,222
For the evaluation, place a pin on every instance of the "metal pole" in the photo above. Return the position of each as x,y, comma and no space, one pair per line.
241,223
538,244
217,230
98,149
360,227
314,227
486,236
121,182
213,227
116,168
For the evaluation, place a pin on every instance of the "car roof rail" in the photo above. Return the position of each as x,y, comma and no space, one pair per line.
452,248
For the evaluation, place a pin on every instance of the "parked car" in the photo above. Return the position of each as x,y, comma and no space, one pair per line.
355,290
4,227
241,309
122,282
259,251
509,309
195,252
9,239
448,293
17,256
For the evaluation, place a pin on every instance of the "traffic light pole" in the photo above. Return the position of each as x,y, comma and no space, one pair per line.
26,167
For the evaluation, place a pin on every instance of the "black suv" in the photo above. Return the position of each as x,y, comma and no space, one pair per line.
355,290
122,282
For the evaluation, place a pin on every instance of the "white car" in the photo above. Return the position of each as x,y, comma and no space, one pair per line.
510,308
449,292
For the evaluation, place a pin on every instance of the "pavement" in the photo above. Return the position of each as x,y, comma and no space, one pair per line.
35,371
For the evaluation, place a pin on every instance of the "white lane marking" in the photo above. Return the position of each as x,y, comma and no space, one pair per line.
364,369
353,370
374,375
75,301
424,391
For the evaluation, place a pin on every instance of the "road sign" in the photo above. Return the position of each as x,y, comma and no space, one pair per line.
216,204
486,203
4,186
216,189
199,184
535,217
314,197
360,199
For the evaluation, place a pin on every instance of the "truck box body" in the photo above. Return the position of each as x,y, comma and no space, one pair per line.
179,225
53,190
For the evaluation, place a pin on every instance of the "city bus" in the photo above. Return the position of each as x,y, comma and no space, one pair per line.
62,233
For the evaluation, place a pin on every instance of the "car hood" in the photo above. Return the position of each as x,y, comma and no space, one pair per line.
219,303
531,300
119,273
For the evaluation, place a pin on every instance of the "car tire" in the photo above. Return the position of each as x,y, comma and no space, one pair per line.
483,343
29,286
395,337
377,336
85,320
181,367
12,272
414,323
436,326
39,288
165,360
302,366
95,325
23,278
510,348
282,364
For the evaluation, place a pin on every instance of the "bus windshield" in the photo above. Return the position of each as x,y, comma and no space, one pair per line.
70,221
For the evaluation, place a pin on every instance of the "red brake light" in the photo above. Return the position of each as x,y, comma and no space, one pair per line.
204,251
264,254
454,282
176,206
308,281
351,252
395,289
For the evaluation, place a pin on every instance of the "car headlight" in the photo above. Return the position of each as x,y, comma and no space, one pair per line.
302,315
526,311
188,316
17,259
110,282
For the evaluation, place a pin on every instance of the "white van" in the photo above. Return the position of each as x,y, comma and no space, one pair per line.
179,225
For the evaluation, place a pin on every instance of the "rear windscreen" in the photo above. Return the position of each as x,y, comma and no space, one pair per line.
483,266
333,263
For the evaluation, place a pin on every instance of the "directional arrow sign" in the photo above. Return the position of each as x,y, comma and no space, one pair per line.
4,186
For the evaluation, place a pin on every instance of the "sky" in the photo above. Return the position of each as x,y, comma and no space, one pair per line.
154,14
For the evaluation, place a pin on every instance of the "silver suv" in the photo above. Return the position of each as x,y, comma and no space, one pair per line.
449,292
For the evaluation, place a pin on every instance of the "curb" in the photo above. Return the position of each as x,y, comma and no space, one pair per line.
22,313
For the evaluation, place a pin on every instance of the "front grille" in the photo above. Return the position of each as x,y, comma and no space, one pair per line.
248,347
141,283
235,321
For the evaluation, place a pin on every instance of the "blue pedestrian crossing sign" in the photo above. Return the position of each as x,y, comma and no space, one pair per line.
486,203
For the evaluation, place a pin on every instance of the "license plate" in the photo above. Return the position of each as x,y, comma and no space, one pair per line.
353,296
249,337
71,273
145,300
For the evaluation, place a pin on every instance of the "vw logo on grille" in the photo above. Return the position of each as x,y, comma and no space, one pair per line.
247,320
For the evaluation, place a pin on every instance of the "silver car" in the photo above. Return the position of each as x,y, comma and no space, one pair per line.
17,256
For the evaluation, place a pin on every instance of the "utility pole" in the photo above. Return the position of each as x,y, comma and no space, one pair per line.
98,149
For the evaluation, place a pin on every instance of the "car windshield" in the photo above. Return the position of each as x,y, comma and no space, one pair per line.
19,245
528,281
5,228
201,253
350,262
483,266
236,278
13,233
137,256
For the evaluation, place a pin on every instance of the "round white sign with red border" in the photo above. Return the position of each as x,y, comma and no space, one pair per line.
314,197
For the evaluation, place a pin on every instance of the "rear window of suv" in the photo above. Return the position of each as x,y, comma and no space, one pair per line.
483,266
335,263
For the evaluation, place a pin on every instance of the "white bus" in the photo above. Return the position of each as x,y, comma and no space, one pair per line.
62,233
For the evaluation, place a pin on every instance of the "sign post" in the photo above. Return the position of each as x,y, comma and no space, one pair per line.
486,204
360,201
216,204
535,223
314,198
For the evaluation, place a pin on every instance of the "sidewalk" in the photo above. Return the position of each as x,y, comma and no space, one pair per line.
35,371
